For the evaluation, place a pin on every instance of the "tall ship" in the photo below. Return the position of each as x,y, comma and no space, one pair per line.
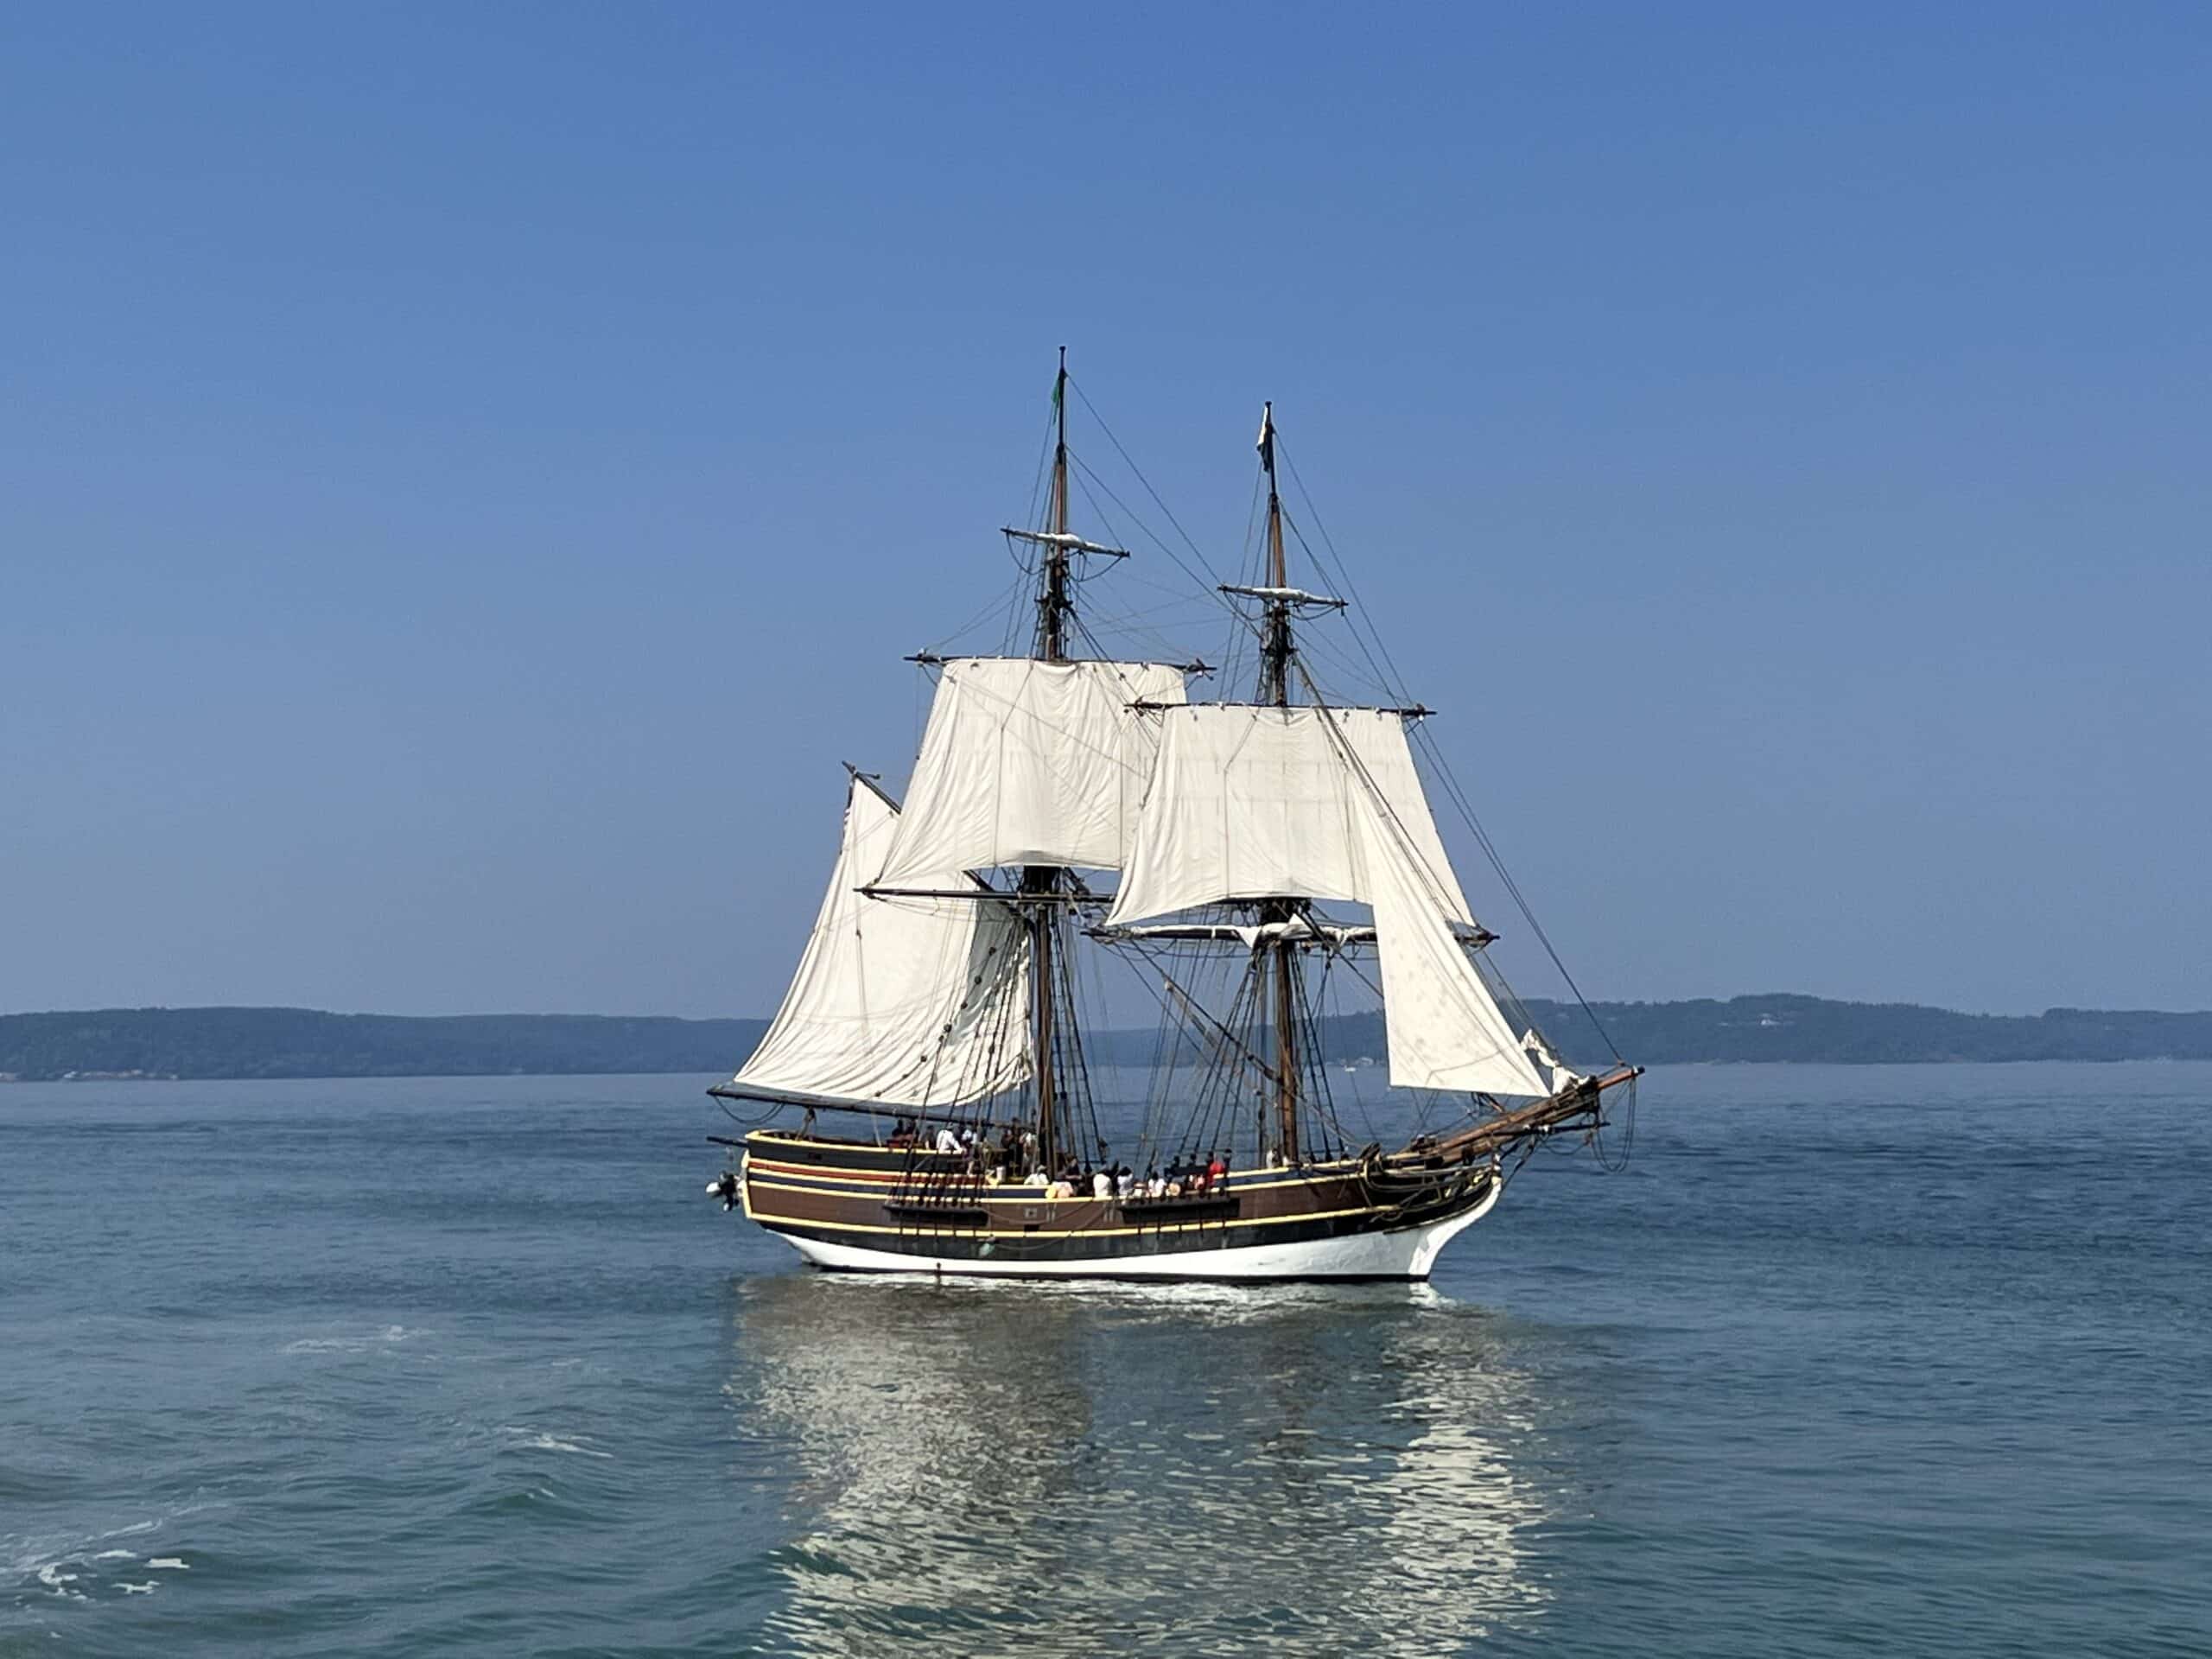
928,1097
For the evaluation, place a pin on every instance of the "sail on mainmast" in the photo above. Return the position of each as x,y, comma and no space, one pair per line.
1029,762
897,1003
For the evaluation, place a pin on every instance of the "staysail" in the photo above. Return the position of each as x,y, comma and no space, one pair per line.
897,1001
1444,1028
1028,762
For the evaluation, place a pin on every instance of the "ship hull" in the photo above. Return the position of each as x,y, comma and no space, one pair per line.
1407,1253
851,1209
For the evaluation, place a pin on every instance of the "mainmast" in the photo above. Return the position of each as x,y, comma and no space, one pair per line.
1274,688
1042,880
1052,593
1274,641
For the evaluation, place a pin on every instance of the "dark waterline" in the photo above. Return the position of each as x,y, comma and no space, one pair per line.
1851,1360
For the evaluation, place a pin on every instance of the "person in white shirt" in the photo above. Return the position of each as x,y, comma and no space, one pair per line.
1102,1185
947,1140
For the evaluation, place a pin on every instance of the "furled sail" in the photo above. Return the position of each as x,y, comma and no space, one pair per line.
1252,802
1028,762
898,1001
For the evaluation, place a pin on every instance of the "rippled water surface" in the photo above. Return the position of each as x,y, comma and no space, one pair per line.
1897,1360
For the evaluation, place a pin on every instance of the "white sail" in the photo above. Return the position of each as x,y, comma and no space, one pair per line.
1250,802
1443,1028
1028,762
1558,1075
898,1001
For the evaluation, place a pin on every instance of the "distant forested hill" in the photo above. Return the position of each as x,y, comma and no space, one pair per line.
302,1043
1785,1027
1781,1027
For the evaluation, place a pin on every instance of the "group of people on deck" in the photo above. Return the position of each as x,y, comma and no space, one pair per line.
1013,1160
1192,1177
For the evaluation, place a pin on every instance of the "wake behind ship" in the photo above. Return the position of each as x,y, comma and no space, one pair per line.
1249,860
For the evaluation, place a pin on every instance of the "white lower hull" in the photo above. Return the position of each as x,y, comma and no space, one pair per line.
1407,1253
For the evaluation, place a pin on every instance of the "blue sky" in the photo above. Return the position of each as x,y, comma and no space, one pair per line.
468,475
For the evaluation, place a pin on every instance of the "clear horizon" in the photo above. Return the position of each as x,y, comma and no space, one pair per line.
470,478
762,1016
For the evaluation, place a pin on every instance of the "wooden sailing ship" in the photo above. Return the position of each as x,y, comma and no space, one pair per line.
1064,803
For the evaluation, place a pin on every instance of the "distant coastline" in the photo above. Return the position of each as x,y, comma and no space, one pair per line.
119,1044
110,1044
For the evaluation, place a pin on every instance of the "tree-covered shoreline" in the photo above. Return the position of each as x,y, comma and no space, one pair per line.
244,1043
247,1042
1811,1030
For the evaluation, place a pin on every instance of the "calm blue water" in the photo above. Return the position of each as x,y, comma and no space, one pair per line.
1859,1360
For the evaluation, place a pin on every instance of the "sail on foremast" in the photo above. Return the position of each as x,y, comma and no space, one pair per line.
1251,804
1249,801
1276,805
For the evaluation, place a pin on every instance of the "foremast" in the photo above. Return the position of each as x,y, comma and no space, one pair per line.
1280,955
1271,805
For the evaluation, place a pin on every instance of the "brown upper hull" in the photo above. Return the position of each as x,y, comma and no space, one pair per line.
904,1202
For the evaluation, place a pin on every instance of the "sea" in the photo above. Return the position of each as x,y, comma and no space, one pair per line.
1857,1360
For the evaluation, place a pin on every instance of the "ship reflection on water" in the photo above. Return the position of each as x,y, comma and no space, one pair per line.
1026,1468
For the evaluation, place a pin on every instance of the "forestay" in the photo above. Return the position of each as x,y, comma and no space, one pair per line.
1028,762
1252,802
898,1001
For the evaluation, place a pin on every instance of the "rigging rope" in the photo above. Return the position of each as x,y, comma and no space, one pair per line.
1142,479
1387,669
